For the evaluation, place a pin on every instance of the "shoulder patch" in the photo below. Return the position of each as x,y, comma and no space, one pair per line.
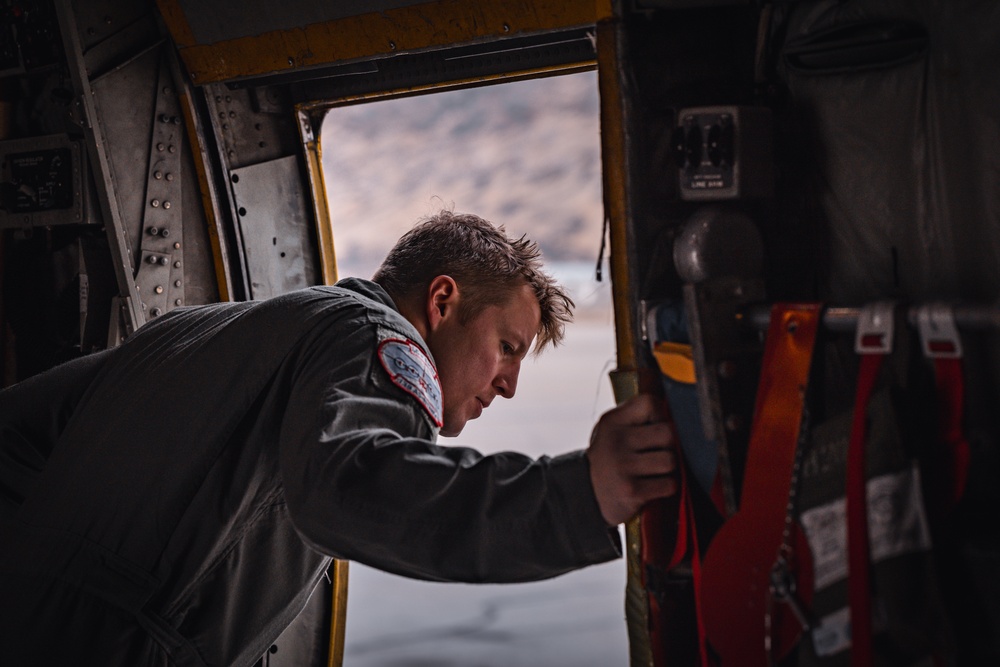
411,370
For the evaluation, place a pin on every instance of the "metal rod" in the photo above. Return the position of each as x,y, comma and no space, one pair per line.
968,318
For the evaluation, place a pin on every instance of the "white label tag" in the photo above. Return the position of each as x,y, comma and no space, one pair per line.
897,525
833,634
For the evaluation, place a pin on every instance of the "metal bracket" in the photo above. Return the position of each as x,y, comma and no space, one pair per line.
875,328
938,334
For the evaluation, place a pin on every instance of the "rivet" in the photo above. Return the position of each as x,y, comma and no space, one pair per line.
291,60
91,31
155,203
218,98
176,120
166,90
222,114
171,149
153,231
232,114
229,98
177,302
153,259
164,232
160,147
164,261
242,211
177,245
166,204
158,175
177,265
158,289
170,176
155,312
392,45
506,28
177,283
164,118
225,126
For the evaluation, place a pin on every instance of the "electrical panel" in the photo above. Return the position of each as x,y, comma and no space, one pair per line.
724,153
42,182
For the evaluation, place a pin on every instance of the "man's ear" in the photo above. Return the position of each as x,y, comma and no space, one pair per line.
442,301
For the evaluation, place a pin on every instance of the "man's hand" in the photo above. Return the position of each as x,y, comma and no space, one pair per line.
631,458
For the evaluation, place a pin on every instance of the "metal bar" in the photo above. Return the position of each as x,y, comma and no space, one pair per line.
614,151
203,167
313,150
338,621
120,251
842,319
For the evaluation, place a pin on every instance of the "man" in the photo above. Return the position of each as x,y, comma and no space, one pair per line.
175,500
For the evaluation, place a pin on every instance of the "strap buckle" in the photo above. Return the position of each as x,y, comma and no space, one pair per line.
876,324
938,334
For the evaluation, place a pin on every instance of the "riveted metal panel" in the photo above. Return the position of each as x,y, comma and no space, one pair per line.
276,228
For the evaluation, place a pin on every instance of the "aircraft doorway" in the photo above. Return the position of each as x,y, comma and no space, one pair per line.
526,155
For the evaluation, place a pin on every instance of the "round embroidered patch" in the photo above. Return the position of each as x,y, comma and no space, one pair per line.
411,370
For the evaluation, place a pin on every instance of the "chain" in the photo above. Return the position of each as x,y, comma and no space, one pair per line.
782,581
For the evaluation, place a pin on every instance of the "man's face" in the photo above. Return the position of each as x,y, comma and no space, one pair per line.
480,359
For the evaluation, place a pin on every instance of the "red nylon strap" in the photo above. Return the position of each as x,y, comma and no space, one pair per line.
859,587
951,396
735,574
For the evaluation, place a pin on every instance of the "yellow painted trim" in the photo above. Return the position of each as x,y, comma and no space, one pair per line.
520,75
433,24
177,23
321,206
207,202
338,622
615,194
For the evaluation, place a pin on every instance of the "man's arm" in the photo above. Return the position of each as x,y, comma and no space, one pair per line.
365,481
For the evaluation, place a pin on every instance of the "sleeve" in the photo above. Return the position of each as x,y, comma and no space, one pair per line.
33,414
364,481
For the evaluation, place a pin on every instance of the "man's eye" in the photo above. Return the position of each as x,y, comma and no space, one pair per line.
507,348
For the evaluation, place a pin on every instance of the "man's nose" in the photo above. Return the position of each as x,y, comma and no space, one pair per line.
506,381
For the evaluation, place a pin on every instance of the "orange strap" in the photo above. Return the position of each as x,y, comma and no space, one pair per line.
735,578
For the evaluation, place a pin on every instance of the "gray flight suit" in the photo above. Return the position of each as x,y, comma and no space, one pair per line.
175,500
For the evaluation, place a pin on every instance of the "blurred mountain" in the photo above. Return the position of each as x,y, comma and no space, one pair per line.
525,155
